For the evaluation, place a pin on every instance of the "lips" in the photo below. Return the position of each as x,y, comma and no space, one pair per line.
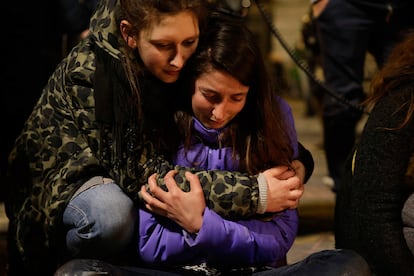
217,124
172,73
170,76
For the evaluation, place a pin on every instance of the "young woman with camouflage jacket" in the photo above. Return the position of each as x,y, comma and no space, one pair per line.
101,127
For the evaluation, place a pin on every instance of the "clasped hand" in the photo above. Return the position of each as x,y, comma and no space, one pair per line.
185,208
285,186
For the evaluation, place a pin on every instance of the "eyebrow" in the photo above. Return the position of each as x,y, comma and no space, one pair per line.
240,93
166,40
208,90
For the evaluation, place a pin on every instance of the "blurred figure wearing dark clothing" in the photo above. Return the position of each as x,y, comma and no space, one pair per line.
313,58
347,31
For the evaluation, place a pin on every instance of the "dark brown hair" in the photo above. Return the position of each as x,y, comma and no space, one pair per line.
259,133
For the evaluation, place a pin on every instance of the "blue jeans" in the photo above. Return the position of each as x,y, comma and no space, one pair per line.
324,263
100,220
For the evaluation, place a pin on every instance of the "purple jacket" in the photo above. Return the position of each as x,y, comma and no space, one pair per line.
219,241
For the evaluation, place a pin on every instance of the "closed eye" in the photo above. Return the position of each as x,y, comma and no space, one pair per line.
190,42
211,96
238,97
164,46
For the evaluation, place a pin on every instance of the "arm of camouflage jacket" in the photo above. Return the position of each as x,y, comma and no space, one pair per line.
232,195
306,158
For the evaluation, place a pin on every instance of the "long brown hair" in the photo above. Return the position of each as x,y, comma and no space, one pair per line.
396,73
259,133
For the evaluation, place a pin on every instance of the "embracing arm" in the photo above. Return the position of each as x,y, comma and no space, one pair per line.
306,159
235,195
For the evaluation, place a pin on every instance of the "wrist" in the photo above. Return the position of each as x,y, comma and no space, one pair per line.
313,2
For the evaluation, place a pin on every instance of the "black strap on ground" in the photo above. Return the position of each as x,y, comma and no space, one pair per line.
300,62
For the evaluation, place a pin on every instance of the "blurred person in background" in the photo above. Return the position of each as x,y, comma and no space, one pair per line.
347,31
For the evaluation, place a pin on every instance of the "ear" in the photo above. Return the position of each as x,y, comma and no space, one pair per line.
125,28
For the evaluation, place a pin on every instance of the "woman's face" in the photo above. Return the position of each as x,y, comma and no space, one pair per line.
166,46
218,98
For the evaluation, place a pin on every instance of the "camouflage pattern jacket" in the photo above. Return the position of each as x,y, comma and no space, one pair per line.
62,145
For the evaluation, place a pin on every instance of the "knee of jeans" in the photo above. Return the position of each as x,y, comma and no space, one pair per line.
118,222
101,220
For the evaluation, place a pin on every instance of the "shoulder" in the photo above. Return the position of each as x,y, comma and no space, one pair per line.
283,105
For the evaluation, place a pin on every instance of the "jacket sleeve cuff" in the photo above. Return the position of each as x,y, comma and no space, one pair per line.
261,180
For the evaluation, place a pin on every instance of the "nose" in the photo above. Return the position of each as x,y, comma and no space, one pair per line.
178,59
219,111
